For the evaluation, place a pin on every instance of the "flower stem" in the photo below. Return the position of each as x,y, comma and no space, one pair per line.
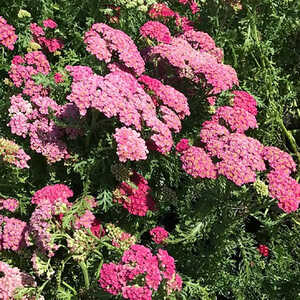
85,274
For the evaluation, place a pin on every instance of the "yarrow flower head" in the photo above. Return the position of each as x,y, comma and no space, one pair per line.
49,23
279,160
52,194
12,279
139,262
157,31
10,204
7,34
13,234
104,41
11,153
246,101
196,162
263,250
137,200
159,234
285,189
130,145
182,145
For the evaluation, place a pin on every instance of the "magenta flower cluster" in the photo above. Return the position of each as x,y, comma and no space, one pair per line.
50,201
157,31
138,262
136,200
246,101
7,34
39,36
159,234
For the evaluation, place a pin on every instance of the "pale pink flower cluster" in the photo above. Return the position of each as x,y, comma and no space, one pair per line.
11,153
7,34
31,118
104,42
197,163
10,204
159,234
136,200
13,234
203,42
86,220
194,65
130,145
157,31
246,101
11,279
138,262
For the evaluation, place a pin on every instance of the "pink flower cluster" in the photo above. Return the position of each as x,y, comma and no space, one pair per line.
285,189
10,204
194,65
120,94
11,153
159,234
167,95
240,156
104,41
51,202
193,5
182,145
263,250
138,262
157,31
246,101
282,186
130,145
52,194
11,279
160,10
31,118
136,200
238,119
203,42
23,69
52,44
7,34
13,234
196,162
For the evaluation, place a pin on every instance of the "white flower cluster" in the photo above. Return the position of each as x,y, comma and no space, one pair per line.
142,5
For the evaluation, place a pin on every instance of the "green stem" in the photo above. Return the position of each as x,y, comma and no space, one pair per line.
85,274
291,139
93,125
